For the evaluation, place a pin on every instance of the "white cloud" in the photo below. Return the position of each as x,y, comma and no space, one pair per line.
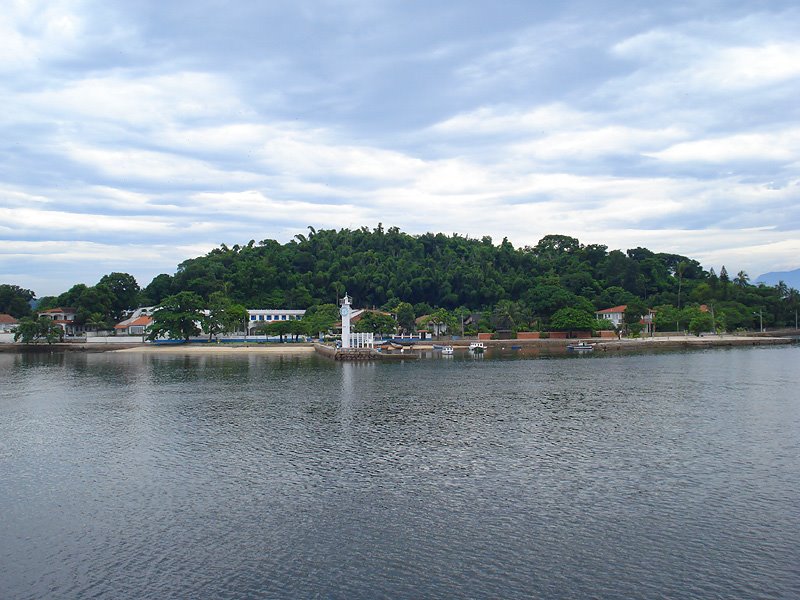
780,146
633,129
32,31
136,165
749,67
30,220
153,101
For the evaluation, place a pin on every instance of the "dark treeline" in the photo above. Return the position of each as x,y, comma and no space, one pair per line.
383,268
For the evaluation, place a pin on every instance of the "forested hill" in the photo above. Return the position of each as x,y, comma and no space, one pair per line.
377,267
516,287
383,267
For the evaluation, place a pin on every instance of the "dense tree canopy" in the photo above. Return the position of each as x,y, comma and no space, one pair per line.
31,331
178,317
15,300
514,288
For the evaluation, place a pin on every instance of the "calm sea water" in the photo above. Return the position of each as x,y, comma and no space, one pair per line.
651,476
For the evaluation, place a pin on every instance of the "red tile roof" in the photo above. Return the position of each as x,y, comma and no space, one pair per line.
615,309
143,320
7,319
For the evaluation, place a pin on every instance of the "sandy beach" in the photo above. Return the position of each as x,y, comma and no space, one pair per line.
222,349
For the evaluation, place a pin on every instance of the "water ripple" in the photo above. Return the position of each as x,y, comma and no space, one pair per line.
652,476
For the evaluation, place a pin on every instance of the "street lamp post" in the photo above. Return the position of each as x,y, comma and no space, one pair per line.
760,314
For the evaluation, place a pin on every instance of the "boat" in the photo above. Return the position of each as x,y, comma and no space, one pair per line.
447,349
477,347
580,347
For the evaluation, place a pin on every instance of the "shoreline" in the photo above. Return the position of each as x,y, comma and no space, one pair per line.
603,345
220,349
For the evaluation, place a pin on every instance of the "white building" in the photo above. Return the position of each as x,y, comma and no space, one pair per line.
64,318
615,314
7,323
264,316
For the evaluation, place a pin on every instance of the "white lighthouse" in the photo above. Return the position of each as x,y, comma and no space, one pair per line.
345,312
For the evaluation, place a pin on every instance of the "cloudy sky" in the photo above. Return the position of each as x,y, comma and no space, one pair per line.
134,135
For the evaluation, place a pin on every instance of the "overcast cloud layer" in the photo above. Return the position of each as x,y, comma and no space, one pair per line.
135,135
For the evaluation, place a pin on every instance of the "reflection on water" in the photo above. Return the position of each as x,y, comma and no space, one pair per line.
141,476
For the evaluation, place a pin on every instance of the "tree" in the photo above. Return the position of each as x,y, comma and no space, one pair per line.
178,317
572,319
124,291
405,316
158,289
375,322
224,316
279,328
615,296
93,301
508,315
30,330
319,319
667,318
742,279
297,328
97,321
634,311
15,300
723,275
70,297
701,322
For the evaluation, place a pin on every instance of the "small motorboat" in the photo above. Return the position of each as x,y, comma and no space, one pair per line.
477,347
580,347
447,350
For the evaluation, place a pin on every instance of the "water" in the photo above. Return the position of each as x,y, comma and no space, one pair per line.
670,475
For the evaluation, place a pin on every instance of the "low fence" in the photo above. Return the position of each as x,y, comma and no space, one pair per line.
115,339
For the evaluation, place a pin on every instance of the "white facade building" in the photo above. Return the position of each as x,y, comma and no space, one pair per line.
258,317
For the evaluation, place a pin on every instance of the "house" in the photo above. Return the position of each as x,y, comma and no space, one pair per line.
436,329
615,314
134,325
264,316
64,318
139,312
648,322
7,323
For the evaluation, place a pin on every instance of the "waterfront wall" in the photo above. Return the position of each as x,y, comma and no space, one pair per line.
115,339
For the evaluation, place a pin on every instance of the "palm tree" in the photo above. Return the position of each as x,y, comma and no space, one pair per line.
681,266
742,279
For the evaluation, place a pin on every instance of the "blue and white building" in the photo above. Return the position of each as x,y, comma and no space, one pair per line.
265,316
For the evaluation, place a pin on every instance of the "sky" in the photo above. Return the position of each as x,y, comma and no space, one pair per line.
135,135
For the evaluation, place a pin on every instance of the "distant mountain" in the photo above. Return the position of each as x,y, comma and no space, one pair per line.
791,278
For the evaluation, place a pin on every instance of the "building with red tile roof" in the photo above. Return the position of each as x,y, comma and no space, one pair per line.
7,323
64,318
